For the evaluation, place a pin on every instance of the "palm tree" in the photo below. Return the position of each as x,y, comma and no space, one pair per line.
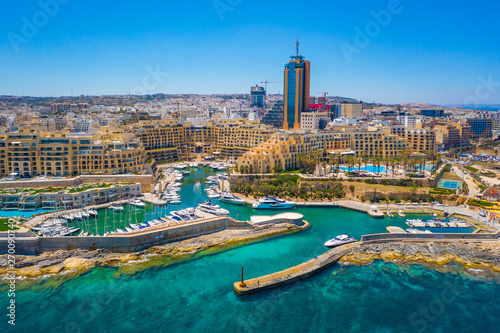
377,161
351,161
338,159
360,160
301,158
387,163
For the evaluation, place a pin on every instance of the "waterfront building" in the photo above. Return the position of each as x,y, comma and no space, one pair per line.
284,148
29,153
297,90
31,199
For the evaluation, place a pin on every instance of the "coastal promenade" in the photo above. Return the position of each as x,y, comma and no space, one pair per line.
329,258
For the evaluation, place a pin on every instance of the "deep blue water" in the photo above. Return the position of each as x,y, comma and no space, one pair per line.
478,107
197,295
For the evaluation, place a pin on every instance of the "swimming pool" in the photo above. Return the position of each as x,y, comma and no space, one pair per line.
381,169
369,168
25,213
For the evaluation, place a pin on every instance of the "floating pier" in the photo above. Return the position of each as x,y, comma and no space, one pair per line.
439,224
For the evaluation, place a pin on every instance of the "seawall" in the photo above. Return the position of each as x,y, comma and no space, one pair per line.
313,266
122,243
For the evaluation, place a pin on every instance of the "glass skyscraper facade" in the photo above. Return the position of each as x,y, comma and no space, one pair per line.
297,90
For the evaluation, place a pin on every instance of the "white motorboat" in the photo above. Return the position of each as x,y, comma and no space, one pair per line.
68,217
116,208
269,202
85,214
195,164
175,202
231,198
78,215
92,212
137,203
340,240
212,208
213,194
180,166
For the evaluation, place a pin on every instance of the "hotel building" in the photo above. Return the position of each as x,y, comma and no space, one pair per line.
297,90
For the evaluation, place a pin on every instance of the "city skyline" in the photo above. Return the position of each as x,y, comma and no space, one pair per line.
372,52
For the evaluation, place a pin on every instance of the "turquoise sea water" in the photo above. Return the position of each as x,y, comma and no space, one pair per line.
192,195
197,295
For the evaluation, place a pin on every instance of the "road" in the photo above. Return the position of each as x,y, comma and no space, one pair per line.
473,190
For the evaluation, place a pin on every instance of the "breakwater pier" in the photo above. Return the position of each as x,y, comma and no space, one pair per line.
329,258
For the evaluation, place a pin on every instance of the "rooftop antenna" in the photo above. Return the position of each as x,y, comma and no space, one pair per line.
297,45
298,56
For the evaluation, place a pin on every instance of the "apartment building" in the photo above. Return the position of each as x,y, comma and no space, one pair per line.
377,143
168,141
68,199
281,149
284,148
421,140
314,120
29,153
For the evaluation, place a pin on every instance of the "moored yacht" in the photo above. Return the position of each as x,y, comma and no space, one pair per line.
92,212
212,208
231,198
269,202
137,203
340,240
115,207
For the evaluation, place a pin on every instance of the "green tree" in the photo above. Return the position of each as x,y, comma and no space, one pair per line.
277,168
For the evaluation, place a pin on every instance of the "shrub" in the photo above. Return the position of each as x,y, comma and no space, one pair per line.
362,198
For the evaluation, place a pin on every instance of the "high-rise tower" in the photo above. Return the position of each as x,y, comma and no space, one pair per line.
297,89
257,96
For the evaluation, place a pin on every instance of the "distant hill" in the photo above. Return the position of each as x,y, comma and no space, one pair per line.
419,105
339,99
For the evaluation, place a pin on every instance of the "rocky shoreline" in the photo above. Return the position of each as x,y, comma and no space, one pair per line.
477,258
71,263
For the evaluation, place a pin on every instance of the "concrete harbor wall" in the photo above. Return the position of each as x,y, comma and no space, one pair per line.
123,243
430,237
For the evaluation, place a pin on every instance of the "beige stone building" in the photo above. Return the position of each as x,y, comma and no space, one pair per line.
30,153
351,110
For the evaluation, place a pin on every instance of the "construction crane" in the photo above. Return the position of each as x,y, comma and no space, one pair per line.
324,95
265,88
178,113
324,103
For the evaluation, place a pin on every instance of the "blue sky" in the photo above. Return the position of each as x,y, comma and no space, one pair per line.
425,51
